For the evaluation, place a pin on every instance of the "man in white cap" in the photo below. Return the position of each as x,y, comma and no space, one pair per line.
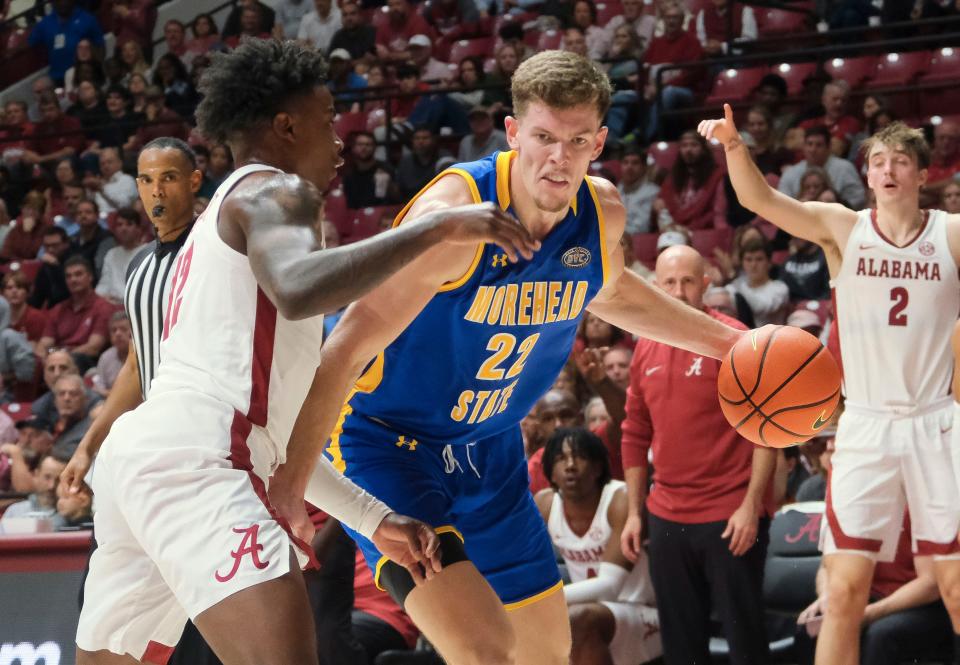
318,27
421,54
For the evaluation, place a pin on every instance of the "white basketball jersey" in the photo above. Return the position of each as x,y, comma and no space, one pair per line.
583,554
224,338
896,307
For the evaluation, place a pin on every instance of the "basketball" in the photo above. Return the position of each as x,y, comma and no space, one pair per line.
778,386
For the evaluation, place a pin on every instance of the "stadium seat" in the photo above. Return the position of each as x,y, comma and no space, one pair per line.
607,10
900,68
469,47
29,268
550,40
17,410
852,70
707,240
773,22
795,74
503,19
365,222
346,124
531,37
645,247
662,154
735,85
335,209
944,67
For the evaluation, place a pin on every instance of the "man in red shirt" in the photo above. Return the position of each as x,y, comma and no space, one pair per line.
709,507
56,136
80,323
393,35
675,45
842,126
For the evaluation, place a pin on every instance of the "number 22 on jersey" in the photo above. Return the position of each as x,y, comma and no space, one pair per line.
482,404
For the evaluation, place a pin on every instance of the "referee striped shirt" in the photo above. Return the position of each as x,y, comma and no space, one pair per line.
145,297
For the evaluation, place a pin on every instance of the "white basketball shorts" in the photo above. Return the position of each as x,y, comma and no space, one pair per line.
883,463
637,636
181,523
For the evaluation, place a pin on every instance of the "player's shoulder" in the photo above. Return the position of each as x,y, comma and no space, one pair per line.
611,205
270,190
544,501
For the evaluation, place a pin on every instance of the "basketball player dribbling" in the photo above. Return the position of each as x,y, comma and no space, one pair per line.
456,348
897,293
184,524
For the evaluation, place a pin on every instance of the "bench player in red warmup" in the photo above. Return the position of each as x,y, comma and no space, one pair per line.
897,293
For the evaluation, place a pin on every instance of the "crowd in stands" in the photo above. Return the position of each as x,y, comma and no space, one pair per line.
419,88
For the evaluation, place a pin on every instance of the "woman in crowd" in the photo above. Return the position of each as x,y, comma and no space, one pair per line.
85,54
498,99
469,75
23,318
171,75
25,238
65,173
625,51
769,155
206,36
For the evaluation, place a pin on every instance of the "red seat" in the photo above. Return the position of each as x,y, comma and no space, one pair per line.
645,247
771,22
346,124
852,70
366,222
335,209
734,85
609,170
900,68
944,66
531,37
795,74
503,19
663,154
706,240
550,40
29,268
607,10
17,410
464,48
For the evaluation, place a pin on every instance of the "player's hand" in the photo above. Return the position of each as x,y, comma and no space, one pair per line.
590,364
630,538
742,529
723,130
76,470
290,506
486,222
409,543
814,609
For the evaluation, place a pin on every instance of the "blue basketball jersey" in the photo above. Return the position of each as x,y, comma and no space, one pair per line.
486,347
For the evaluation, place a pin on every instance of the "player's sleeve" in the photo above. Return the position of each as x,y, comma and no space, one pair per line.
637,426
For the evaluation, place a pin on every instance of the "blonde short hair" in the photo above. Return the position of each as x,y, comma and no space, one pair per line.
560,80
899,135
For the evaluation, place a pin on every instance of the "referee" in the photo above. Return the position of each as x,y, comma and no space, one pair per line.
168,180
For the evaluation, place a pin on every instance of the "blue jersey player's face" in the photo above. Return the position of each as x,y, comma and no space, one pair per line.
554,150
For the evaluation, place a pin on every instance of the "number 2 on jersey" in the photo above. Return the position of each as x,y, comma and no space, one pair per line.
502,345
900,297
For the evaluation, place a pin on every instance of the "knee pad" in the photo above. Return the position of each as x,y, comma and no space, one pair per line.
397,581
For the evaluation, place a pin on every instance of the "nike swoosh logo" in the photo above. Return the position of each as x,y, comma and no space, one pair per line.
944,431
651,370
821,420
867,246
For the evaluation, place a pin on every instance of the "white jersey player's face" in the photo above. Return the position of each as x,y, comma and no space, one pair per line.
893,173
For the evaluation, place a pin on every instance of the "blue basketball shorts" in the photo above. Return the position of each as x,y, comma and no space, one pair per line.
479,491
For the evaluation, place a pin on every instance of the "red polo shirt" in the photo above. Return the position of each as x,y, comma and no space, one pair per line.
939,170
683,47
702,466
71,325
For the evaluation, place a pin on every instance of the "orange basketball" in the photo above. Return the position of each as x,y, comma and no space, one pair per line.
778,386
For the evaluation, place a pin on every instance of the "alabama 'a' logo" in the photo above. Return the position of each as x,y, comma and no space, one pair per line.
248,545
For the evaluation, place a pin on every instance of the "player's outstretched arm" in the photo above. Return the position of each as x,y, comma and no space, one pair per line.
276,216
366,329
813,221
124,396
629,302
